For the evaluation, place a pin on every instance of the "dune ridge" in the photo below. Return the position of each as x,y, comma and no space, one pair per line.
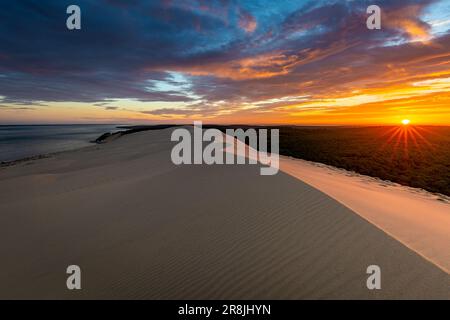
418,219
415,217
142,228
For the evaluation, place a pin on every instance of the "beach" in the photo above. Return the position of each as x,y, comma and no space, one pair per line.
141,227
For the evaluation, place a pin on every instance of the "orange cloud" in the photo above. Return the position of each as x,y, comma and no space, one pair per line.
262,66
406,19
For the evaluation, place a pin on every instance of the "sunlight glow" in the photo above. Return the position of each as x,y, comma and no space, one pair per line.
405,122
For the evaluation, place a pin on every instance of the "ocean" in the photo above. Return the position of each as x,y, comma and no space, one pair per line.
22,141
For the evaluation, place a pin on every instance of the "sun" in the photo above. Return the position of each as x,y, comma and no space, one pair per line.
405,122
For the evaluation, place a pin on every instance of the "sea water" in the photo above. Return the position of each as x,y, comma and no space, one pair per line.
22,141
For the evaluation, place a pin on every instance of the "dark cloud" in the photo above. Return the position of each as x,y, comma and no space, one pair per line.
232,51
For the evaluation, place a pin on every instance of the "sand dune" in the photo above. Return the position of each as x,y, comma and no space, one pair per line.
417,218
140,227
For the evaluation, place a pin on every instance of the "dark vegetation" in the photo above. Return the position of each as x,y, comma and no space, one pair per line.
413,156
130,129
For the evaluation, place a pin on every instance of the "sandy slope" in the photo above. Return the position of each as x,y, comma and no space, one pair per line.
140,227
418,219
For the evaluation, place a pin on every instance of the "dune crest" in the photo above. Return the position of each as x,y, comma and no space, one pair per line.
416,218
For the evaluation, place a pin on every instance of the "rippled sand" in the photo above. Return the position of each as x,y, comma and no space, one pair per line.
141,228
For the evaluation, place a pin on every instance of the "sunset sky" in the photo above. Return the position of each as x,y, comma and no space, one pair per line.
225,61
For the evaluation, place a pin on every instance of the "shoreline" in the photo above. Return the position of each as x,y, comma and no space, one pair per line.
102,138
22,143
